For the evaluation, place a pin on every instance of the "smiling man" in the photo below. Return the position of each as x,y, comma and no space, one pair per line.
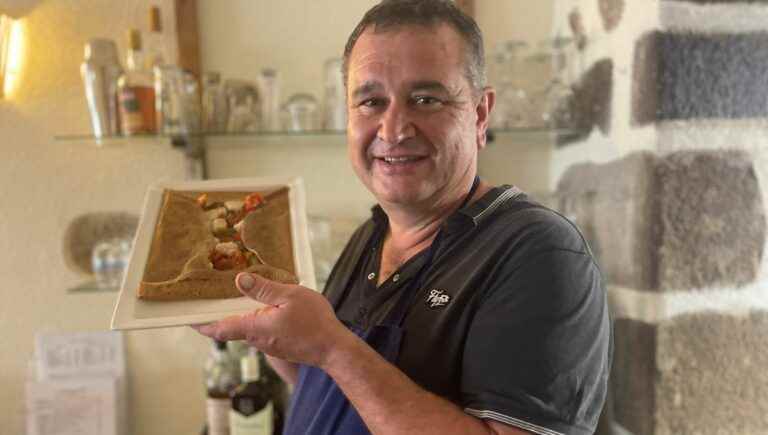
459,307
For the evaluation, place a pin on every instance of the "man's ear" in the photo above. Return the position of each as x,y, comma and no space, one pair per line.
484,106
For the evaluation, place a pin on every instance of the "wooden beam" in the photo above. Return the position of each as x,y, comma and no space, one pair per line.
188,36
468,6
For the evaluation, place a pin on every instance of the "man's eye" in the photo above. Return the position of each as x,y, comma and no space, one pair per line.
371,102
426,101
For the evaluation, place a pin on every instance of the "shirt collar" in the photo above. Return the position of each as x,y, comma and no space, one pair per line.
468,217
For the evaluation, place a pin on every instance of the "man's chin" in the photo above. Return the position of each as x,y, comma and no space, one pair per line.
400,197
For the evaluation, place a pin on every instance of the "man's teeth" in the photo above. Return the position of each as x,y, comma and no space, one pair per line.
399,159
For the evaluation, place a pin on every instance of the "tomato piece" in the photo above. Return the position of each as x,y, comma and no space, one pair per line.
252,201
202,200
236,260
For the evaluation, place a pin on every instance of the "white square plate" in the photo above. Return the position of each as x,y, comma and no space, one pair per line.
132,313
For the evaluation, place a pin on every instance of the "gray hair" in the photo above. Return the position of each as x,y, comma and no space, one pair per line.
390,14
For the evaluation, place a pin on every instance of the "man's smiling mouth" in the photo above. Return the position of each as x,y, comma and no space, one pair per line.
400,159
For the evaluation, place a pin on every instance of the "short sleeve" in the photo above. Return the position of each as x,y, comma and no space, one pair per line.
539,349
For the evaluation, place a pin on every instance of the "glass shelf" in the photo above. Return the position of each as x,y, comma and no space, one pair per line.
529,134
515,134
91,287
308,133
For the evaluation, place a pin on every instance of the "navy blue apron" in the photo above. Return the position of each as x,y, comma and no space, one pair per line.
319,407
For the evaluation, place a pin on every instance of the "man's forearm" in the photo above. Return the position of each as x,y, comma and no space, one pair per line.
388,401
287,370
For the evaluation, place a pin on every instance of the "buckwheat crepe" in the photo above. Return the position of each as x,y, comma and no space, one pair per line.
179,267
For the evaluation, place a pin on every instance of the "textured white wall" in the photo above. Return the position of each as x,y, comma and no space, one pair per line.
618,45
45,184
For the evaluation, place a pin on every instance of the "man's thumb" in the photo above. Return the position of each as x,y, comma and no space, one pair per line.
259,288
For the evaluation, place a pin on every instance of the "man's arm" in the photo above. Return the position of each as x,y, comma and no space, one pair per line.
299,324
390,403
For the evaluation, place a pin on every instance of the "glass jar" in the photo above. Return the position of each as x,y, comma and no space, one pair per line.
300,113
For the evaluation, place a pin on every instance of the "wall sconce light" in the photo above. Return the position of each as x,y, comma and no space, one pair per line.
5,37
10,53
11,41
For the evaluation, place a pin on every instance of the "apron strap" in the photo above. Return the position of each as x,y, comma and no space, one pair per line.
408,295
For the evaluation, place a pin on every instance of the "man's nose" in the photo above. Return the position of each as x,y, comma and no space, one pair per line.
396,125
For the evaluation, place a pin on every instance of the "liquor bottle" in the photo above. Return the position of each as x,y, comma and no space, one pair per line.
136,92
252,407
155,43
221,378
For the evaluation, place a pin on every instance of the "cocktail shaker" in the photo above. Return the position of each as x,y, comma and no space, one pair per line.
100,72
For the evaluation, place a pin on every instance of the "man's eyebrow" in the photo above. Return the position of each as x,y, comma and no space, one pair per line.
366,88
429,85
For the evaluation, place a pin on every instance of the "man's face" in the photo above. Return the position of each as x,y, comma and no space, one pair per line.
415,126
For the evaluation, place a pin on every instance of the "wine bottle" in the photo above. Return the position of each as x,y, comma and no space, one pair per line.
221,378
252,407
136,91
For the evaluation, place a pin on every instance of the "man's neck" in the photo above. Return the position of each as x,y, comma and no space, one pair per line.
408,234
411,229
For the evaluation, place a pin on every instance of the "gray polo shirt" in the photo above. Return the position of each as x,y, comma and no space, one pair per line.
511,322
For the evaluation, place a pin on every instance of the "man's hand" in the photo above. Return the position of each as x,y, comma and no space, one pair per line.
298,324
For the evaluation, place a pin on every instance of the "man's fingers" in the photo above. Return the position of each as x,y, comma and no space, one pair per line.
230,328
261,289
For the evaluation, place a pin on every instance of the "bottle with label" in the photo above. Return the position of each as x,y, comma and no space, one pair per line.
221,378
252,408
278,390
155,58
136,92
155,43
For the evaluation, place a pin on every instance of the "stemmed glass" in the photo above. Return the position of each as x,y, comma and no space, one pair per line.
512,101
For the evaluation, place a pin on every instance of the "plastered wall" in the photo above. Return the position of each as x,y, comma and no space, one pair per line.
45,184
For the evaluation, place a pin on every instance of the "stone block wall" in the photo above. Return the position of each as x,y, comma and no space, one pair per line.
668,183
645,216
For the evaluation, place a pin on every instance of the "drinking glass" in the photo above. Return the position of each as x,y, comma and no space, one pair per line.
176,101
551,101
334,100
109,260
269,94
320,244
215,110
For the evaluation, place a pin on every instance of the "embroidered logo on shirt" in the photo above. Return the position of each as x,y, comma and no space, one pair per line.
438,298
